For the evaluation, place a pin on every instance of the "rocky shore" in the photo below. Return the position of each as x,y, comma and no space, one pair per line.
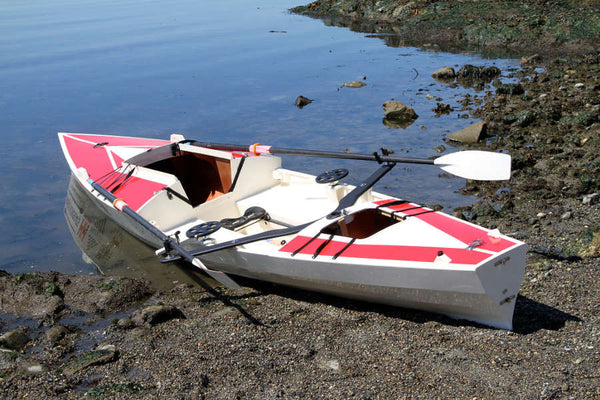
556,27
69,337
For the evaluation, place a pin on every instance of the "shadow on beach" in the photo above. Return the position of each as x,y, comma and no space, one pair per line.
530,316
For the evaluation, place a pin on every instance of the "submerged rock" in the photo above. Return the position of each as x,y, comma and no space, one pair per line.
398,115
468,72
302,101
442,108
354,84
444,74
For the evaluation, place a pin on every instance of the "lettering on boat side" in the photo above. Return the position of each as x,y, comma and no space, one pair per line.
502,262
507,300
84,226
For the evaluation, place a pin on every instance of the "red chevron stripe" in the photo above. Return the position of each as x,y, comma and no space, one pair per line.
461,230
385,252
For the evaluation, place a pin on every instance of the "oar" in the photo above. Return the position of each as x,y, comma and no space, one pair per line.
169,243
275,233
470,164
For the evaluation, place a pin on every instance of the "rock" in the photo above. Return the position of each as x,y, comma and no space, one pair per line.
30,294
93,294
530,61
56,334
354,84
525,119
586,245
124,323
441,108
444,74
533,221
471,134
585,118
566,215
440,149
14,340
102,355
485,208
521,119
307,352
591,199
156,314
302,101
204,380
398,114
32,367
8,360
469,72
510,88
333,365
552,112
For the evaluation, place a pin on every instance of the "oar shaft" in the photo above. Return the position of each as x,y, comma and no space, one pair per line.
262,149
349,156
186,255
472,164
125,209
122,206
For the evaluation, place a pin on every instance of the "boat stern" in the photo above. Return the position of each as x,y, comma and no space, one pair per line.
501,279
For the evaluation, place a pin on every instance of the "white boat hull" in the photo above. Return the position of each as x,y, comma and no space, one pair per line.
420,261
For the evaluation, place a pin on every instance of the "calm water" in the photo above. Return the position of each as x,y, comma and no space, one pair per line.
223,71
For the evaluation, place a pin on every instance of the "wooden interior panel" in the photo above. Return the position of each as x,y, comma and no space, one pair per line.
203,177
360,225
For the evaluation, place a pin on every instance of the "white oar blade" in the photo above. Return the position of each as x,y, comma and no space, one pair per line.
476,165
219,276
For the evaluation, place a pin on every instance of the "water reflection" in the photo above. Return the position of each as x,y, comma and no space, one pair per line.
391,34
112,250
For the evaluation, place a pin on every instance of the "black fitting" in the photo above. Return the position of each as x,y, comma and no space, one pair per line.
377,157
167,246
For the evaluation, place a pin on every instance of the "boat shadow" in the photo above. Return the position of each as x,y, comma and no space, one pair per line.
227,297
530,316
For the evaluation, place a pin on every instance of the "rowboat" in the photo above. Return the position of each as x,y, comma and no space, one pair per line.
233,210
